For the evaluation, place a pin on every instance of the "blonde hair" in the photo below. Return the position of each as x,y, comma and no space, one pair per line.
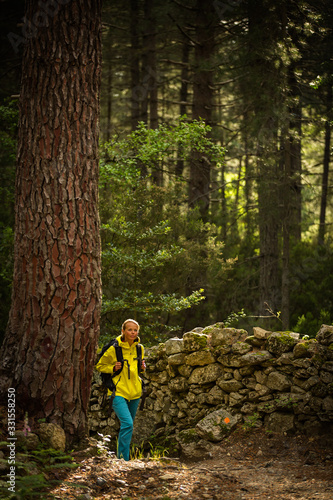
127,321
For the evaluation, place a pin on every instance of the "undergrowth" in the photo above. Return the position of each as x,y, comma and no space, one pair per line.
35,473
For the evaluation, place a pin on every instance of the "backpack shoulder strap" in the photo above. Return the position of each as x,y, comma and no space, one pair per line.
139,356
119,356
119,351
139,349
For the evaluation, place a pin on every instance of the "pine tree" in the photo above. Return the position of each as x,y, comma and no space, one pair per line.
49,348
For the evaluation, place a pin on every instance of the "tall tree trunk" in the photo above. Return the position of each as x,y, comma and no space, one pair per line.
295,152
248,190
269,225
183,97
136,92
326,168
150,77
287,222
263,87
291,199
49,348
109,88
199,183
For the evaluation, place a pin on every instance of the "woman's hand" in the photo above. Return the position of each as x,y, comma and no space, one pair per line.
143,365
117,366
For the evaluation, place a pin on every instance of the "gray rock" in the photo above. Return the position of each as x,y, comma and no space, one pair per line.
176,359
277,381
178,384
174,346
200,358
280,422
206,374
223,337
52,435
260,333
229,385
217,425
255,358
241,348
280,342
194,341
325,335
301,350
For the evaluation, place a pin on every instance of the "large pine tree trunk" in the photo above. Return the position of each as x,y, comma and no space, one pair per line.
49,348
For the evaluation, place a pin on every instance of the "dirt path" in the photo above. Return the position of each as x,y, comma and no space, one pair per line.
248,466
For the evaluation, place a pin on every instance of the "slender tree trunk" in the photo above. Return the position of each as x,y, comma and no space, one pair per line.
109,89
136,91
285,300
326,168
269,225
199,184
150,77
49,349
248,189
224,211
183,97
295,159
287,222
291,198
264,87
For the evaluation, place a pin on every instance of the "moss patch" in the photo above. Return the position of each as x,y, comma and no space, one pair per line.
188,436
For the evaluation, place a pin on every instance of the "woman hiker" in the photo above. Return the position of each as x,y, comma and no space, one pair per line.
128,383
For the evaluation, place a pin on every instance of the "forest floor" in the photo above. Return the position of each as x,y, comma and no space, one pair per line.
249,465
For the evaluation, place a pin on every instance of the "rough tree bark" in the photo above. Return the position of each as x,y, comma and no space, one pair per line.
49,348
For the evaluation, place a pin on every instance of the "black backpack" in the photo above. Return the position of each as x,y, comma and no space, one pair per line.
107,378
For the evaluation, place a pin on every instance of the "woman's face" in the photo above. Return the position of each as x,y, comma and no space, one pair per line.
130,332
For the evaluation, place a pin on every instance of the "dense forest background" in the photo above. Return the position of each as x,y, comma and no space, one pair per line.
215,181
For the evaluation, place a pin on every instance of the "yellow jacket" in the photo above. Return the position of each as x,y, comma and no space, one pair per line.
128,383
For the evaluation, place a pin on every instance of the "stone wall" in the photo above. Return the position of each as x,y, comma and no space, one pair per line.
215,379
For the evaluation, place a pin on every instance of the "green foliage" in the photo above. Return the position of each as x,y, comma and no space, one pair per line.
309,326
154,247
234,318
103,445
158,148
312,288
155,451
31,474
251,422
8,140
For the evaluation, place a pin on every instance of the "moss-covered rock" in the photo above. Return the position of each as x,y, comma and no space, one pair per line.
325,335
301,349
199,358
194,341
280,342
224,338
206,374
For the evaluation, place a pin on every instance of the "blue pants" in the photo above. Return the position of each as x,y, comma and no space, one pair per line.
125,411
